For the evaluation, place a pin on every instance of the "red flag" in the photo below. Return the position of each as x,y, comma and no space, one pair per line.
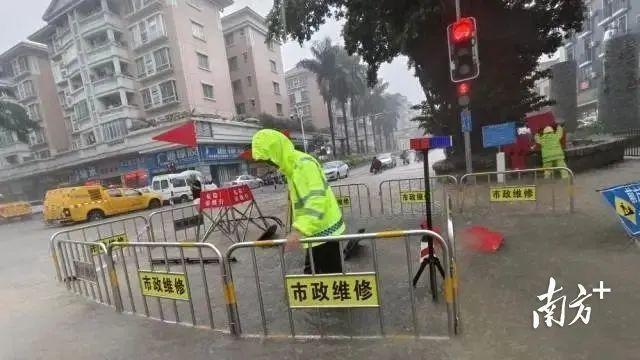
184,134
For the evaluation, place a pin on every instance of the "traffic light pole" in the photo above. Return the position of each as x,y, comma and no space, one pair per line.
467,150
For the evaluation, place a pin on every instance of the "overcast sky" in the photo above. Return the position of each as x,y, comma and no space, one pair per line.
21,18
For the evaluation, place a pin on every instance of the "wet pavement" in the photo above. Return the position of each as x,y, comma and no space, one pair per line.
41,320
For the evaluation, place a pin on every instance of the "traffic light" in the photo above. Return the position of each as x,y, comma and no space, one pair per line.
463,90
462,38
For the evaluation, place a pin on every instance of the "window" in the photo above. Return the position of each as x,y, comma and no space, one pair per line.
276,88
621,24
164,184
292,99
228,39
570,54
203,61
279,109
156,185
153,62
270,45
236,85
89,138
81,110
197,30
245,57
207,91
26,89
137,5
159,94
249,81
304,95
114,130
233,63
147,30
588,50
240,109
34,112
178,182
253,103
36,137
274,67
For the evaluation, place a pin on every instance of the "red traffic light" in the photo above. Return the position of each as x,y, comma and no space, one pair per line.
464,88
463,29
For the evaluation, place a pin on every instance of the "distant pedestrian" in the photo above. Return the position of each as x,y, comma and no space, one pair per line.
551,149
376,165
195,185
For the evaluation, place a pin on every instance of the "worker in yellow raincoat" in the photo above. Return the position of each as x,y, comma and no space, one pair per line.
551,149
315,211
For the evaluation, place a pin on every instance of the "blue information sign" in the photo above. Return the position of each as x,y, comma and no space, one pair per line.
498,135
465,119
625,200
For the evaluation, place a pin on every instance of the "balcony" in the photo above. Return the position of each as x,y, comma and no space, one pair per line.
148,39
73,66
78,126
60,42
107,50
77,95
99,19
14,149
120,112
111,83
143,7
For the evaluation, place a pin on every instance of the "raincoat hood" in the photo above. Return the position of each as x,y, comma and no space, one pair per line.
274,146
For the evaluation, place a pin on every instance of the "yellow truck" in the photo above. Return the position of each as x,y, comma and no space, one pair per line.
94,202
14,210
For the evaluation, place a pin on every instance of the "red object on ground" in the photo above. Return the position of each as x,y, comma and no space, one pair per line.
481,239
183,134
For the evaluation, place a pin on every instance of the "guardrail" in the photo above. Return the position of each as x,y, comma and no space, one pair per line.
353,199
518,187
181,278
128,229
383,289
406,196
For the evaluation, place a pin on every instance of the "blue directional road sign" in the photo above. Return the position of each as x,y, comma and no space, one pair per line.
625,199
465,120
498,135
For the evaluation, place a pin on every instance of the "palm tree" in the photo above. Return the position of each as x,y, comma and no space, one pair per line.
357,94
374,105
393,105
14,118
325,66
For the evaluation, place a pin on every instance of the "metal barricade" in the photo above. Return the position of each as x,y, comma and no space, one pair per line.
376,306
171,282
406,196
353,199
176,224
124,229
85,269
526,190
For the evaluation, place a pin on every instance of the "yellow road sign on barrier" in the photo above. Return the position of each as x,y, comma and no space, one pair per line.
119,238
512,193
344,201
332,291
164,285
412,196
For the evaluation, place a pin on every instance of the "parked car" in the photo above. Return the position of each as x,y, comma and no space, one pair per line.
94,202
252,181
388,160
174,187
335,170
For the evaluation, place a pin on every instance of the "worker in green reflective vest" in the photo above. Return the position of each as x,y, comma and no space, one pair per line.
551,149
315,211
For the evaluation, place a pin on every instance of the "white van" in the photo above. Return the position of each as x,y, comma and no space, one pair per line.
174,187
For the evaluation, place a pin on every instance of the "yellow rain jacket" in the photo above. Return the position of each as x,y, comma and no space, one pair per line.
315,209
550,145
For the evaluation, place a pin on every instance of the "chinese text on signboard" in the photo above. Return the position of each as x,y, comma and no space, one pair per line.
334,291
164,285
343,201
513,193
412,196
217,198
119,238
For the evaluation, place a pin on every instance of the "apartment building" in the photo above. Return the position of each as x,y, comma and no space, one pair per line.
305,99
124,71
255,65
26,78
604,20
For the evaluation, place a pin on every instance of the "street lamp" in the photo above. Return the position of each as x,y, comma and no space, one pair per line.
296,116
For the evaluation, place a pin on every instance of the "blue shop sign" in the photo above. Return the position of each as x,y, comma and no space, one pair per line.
184,157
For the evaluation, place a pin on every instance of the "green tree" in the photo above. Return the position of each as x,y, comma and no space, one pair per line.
14,118
512,37
325,65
